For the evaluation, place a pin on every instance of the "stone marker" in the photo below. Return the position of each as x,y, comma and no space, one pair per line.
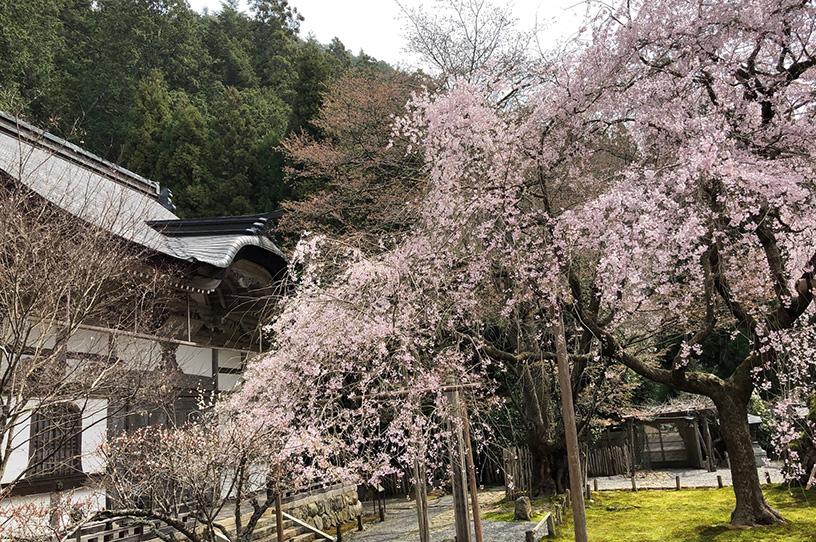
524,510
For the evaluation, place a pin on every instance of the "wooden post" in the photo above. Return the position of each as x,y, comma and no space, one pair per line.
588,492
595,484
189,323
677,482
697,443
630,423
550,527
421,502
278,516
471,470
709,445
568,414
585,470
382,497
457,454
719,481
660,438
214,363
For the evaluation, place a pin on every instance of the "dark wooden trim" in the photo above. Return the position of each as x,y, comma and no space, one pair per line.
46,485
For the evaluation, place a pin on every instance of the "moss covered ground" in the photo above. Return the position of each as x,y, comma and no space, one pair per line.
692,515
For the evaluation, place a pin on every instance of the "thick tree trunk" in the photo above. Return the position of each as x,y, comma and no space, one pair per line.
535,398
751,507
544,475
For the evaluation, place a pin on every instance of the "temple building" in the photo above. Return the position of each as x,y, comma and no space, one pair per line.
220,276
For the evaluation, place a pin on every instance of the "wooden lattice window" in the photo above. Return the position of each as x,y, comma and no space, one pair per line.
56,442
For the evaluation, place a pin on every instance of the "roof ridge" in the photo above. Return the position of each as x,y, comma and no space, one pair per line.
77,155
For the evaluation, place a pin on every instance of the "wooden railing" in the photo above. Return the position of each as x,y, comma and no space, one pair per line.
530,536
308,527
128,530
125,529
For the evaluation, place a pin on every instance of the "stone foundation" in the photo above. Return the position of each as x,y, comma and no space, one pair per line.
326,510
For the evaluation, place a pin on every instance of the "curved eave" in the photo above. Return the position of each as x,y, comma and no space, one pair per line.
220,250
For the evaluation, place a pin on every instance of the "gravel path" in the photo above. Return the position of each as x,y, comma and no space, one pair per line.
400,524
688,478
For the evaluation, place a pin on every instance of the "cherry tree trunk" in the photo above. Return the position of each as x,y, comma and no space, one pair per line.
535,398
544,475
751,507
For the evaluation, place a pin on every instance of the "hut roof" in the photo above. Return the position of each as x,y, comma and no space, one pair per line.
686,406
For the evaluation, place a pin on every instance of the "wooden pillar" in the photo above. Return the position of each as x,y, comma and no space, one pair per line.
457,454
660,438
568,413
471,470
630,423
709,445
278,517
697,443
189,323
421,501
215,370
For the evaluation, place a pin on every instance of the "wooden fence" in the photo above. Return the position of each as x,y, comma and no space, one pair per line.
124,530
518,472
608,461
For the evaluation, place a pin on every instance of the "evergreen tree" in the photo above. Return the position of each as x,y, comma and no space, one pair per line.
313,73
30,38
182,161
233,162
150,119
226,35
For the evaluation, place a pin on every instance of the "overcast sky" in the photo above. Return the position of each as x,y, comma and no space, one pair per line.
374,25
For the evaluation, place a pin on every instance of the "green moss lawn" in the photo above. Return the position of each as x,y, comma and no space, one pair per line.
692,515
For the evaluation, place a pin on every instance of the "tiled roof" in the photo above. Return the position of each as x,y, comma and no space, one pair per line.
120,201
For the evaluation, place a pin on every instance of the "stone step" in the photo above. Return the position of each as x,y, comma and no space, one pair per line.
266,527
291,533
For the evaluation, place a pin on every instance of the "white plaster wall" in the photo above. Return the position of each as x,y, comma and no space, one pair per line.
89,342
43,336
94,433
140,353
37,508
194,360
228,382
229,359
18,459
232,359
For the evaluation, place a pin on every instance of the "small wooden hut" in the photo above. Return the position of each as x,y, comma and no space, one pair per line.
671,435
